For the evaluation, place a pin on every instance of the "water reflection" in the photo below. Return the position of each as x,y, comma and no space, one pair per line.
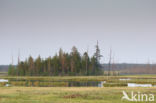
101,84
41,83
139,85
7,85
125,79
3,80
58,84
37,83
84,84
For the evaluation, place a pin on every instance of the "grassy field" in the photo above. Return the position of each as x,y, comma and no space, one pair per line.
67,94
19,94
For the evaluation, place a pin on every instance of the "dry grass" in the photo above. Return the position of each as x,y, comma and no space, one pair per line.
67,94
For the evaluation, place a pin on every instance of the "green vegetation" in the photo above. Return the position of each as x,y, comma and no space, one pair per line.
132,78
67,95
115,84
62,64
64,81
25,89
3,73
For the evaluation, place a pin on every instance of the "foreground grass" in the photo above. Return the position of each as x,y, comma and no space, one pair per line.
67,94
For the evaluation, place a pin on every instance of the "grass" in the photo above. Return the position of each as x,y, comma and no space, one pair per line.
115,84
110,94
3,73
142,79
77,78
67,94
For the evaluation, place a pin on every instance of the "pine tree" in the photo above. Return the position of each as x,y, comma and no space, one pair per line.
62,64
31,66
97,54
38,66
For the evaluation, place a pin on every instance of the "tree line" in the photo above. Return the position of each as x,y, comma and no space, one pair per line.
60,64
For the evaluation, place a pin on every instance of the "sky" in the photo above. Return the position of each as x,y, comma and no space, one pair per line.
41,27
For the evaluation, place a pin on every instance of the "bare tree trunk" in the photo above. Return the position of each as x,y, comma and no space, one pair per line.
110,60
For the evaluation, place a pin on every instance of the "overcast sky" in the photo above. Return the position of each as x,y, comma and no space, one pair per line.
41,27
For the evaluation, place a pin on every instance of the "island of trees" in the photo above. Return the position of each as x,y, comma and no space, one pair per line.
61,64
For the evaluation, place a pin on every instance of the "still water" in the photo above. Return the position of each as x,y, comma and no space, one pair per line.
38,83
139,85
